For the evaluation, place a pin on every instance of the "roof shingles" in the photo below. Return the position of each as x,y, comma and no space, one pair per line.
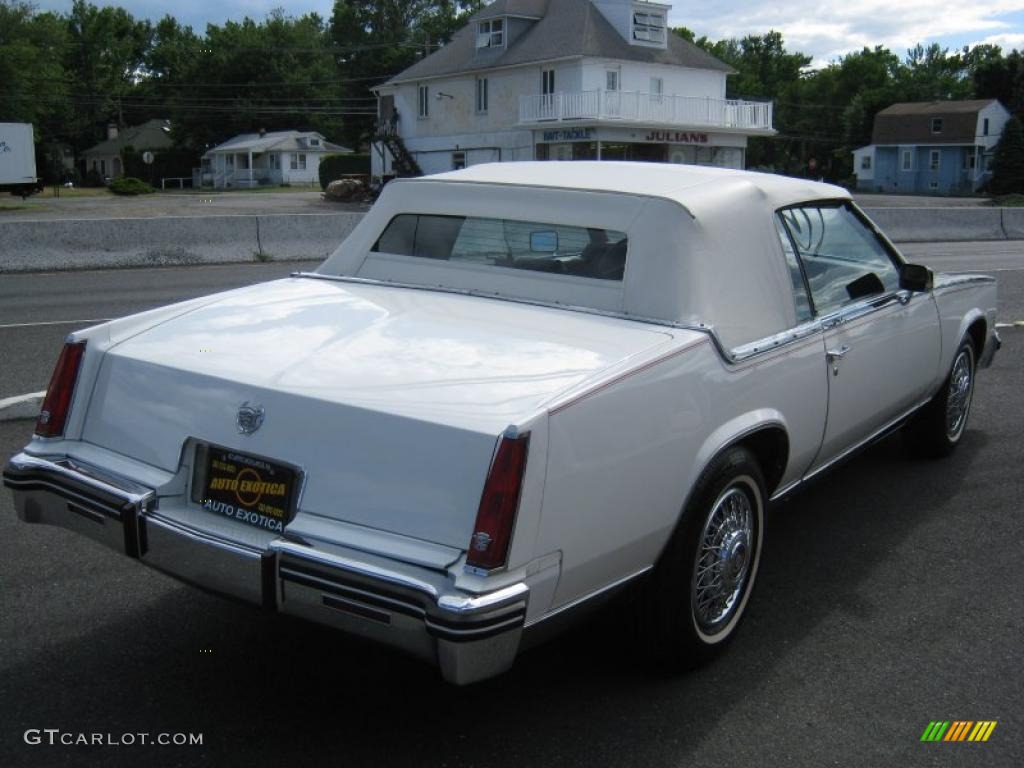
566,29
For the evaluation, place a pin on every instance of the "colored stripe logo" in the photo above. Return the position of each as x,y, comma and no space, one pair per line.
958,730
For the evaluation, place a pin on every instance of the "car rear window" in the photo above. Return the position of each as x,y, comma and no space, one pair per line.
541,247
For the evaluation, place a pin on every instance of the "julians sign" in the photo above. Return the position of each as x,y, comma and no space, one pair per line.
677,137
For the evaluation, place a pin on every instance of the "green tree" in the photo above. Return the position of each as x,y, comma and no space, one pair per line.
1001,77
1008,163
103,56
32,84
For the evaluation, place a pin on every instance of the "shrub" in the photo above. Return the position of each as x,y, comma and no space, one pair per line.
129,185
333,167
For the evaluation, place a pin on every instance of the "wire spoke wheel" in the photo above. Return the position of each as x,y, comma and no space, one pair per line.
725,552
958,399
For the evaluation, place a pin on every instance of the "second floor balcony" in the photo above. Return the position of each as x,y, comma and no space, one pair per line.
647,108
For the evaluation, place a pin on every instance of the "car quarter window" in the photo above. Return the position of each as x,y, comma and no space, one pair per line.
841,257
543,247
796,274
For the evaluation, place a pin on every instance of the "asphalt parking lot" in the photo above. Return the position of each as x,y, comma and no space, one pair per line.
890,596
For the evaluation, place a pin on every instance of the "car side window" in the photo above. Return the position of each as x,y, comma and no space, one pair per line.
796,274
842,258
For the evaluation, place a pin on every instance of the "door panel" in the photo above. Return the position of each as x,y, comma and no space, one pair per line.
882,364
881,342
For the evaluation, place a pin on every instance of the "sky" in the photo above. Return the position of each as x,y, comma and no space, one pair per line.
823,29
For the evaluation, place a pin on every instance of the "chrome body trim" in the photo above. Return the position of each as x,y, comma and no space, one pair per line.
410,607
499,297
775,341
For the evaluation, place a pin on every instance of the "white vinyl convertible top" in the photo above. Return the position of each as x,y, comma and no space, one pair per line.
703,244
684,184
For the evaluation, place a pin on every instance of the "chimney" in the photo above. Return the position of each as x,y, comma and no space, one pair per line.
111,130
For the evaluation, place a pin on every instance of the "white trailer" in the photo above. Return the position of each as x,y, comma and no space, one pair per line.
18,160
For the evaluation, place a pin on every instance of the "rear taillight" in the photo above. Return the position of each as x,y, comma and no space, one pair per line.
492,532
57,403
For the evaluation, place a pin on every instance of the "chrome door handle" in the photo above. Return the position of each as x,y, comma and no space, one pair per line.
835,355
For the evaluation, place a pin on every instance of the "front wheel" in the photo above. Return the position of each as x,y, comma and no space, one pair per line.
939,427
697,593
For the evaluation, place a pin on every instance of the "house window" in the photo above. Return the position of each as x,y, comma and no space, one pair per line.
657,88
314,142
275,161
458,161
933,160
547,81
490,34
865,162
936,125
423,101
984,127
481,95
298,162
612,80
933,185
908,160
230,161
649,26
969,161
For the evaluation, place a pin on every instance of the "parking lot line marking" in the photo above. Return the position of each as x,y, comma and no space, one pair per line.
57,322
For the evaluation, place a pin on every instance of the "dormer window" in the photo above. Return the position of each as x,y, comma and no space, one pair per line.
649,26
490,33
314,142
936,125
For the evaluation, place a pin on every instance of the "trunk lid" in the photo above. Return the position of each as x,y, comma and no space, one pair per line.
390,400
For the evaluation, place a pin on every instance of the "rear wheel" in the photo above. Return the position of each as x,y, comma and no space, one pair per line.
696,596
939,427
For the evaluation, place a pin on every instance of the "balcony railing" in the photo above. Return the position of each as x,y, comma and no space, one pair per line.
650,108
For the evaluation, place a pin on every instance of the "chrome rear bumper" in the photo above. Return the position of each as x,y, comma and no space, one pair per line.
470,637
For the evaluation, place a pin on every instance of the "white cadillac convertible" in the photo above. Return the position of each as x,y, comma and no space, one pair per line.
512,390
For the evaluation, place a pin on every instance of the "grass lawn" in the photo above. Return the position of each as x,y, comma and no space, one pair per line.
1009,201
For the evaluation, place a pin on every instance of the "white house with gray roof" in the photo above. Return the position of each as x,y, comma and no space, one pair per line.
260,159
563,80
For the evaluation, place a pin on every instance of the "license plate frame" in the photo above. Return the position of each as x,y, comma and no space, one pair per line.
252,490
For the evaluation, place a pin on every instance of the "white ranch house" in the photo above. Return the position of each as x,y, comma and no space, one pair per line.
265,158
564,80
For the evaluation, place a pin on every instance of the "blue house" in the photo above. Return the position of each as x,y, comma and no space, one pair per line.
931,148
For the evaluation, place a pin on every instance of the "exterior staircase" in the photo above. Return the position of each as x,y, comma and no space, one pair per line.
402,161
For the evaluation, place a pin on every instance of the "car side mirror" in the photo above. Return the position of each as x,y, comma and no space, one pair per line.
915,277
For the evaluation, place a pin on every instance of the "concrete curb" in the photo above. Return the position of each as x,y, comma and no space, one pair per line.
21,406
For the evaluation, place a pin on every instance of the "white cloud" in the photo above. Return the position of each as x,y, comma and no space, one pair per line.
1008,41
823,30
826,31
